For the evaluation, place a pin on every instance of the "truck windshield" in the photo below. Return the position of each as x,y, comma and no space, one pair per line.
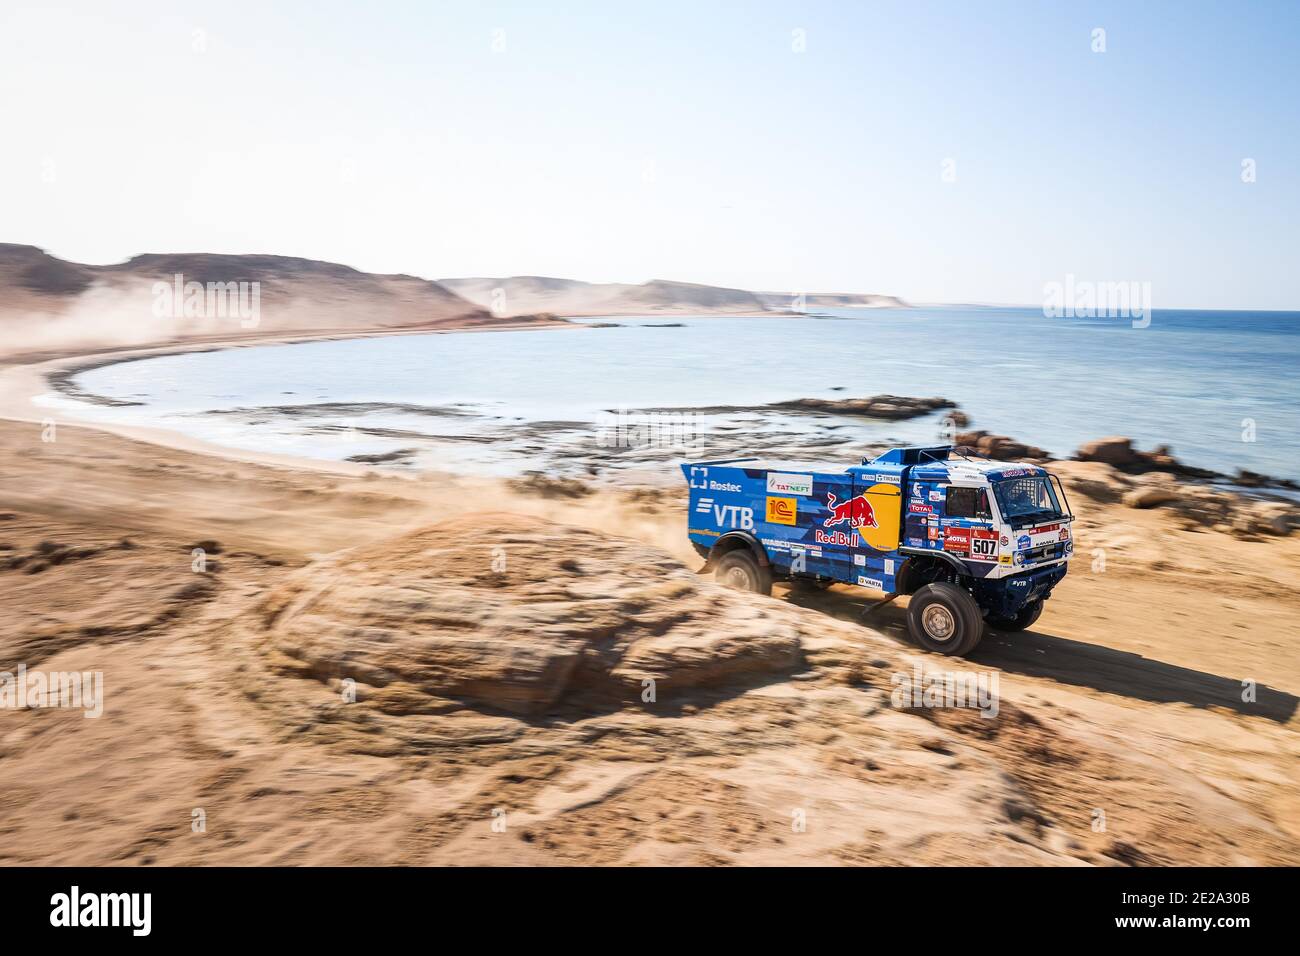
1025,500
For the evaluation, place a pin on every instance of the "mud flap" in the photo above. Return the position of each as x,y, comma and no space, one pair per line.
877,605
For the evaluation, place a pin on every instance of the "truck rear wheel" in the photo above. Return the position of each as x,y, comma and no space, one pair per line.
944,618
1027,616
741,570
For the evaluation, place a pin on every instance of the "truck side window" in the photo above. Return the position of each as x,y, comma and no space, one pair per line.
967,503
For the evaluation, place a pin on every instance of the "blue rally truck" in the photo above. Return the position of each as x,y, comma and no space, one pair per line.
970,540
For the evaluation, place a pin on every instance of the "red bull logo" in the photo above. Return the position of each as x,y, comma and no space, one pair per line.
856,511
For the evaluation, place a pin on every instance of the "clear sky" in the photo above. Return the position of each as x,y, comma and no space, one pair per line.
702,141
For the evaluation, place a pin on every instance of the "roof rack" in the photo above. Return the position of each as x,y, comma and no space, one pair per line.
911,455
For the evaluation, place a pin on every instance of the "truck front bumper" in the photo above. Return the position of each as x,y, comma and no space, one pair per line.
1009,595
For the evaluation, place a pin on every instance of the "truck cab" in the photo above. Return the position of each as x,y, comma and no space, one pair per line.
972,541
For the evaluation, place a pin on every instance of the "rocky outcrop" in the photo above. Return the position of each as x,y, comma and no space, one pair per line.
1201,506
1119,452
893,407
997,447
510,614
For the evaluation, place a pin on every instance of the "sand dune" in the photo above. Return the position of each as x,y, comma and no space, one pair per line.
49,306
374,670
334,666
521,295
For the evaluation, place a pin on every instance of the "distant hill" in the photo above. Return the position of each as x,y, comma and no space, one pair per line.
50,305
519,295
832,300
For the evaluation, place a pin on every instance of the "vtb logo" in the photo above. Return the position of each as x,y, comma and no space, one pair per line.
726,516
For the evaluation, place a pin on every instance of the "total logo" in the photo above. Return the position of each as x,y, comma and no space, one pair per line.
727,516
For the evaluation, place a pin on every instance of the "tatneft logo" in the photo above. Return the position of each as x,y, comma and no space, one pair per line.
789,484
103,909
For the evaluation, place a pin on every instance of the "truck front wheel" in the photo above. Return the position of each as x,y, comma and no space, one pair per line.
944,618
1027,616
741,570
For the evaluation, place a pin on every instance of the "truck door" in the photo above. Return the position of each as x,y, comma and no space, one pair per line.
877,533
834,540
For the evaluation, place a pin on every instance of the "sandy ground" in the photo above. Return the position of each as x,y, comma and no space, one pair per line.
498,643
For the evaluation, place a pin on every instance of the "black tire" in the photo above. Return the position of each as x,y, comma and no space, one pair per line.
1027,616
944,618
741,570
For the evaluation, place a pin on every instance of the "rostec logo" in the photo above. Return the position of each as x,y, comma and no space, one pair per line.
699,477
789,484
782,510
856,511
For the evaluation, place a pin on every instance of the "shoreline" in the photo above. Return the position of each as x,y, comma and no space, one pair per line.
22,382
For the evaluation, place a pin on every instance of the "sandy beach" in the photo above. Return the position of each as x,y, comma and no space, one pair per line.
326,664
